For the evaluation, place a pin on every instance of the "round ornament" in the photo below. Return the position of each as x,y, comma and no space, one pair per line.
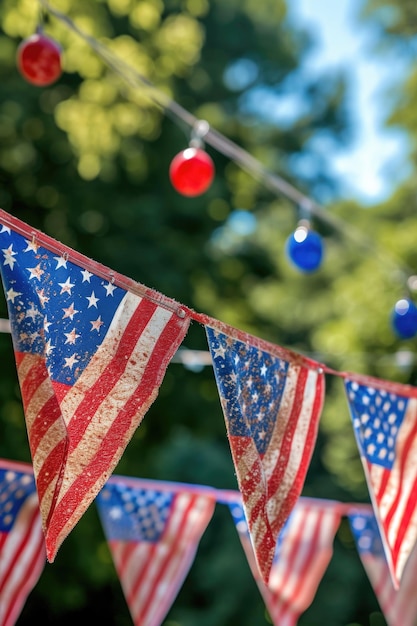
39,60
305,249
191,172
404,318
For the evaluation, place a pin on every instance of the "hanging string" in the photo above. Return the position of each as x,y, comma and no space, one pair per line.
212,137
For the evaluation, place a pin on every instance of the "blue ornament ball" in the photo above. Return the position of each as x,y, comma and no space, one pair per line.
404,318
305,249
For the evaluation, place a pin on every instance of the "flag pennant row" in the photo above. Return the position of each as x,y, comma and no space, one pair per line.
399,606
22,545
272,401
90,358
384,417
153,529
303,552
153,536
92,348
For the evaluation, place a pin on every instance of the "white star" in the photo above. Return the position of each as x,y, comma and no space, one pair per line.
109,289
72,336
43,299
264,369
371,449
66,287
32,246
11,294
96,324
32,312
9,253
69,312
92,300
70,361
5,229
219,352
46,324
61,261
35,272
115,512
49,347
86,275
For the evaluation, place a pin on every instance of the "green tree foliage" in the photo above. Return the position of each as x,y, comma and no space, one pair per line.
86,160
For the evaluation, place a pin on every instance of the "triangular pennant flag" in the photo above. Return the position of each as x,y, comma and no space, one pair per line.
272,401
91,350
153,534
399,606
22,545
304,550
384,417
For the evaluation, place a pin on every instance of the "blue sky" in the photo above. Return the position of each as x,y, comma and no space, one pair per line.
371,166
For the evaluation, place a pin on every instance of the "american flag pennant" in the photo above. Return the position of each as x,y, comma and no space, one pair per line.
153,535
399,606
272,401
22,546
91,349
384,417
304,550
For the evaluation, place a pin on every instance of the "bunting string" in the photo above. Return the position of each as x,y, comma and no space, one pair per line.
272,181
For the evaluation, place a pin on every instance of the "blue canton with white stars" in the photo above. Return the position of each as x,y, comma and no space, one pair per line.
132,514
251,384
56,308
366,533
377,417
15,487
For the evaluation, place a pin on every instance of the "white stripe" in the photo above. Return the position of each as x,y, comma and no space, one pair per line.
170,538
111,406
297,447
178,566
20,571
273,451
401,479
42,395
104,355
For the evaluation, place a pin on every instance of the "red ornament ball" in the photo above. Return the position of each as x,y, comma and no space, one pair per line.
39,60
191,172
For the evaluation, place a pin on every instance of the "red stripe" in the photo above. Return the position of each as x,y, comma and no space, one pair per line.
109,378
298,482
289,562
142,573
24,538
288,435
302,572
382,483
401,462
405,520
113,442
28,579
33,379
163,565
123,554
3,539
52,467
47,416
